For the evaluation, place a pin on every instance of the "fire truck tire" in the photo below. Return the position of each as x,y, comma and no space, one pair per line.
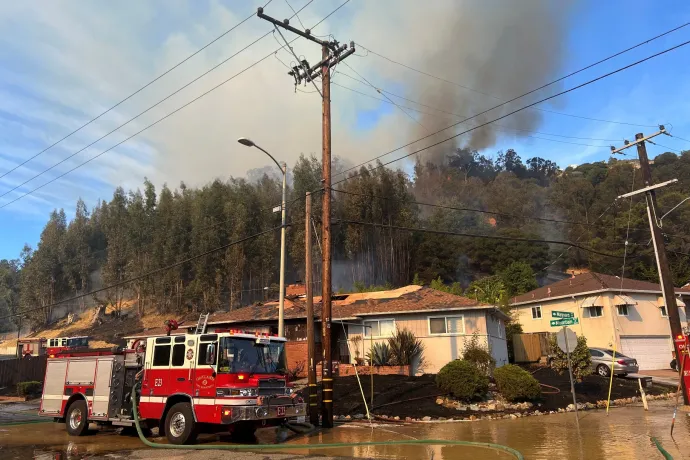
180,427
76,418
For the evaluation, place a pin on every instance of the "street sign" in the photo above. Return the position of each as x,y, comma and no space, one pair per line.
277,208
567,339
564,322
562,314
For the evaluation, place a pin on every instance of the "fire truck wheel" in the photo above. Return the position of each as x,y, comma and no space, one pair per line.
76,419
180,427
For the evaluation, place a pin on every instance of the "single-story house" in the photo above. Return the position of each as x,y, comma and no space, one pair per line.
629,314
442,321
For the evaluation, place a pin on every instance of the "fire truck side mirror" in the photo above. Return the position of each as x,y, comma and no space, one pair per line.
211,354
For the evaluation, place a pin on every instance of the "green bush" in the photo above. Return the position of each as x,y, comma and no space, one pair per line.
29,388
516,384
580,358
463,380
381,354
405,348
478,355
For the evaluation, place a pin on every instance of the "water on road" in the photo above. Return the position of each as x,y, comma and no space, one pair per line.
624,433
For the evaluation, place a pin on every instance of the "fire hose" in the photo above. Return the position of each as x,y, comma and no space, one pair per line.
437,442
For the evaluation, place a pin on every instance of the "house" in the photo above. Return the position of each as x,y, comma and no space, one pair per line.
442,321
629,314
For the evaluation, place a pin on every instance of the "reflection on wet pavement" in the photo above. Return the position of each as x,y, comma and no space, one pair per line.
625,433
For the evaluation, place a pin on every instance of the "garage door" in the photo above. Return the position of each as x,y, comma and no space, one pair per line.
650,352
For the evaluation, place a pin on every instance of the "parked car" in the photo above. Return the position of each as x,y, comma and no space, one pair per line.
603,357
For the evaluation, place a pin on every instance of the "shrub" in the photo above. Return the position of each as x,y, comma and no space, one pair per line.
405,348
296,372
516,384
580,358
380,355
29,388
478,355
463,380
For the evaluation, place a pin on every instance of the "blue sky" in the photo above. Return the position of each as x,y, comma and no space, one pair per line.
63,62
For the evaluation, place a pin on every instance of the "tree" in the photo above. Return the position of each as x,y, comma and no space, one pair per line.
518,278
580,358
489,290
9,291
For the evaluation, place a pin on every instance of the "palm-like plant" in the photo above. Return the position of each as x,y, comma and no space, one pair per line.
380,355
405,348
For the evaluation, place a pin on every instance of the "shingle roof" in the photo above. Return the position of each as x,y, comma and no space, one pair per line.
403,300
586,282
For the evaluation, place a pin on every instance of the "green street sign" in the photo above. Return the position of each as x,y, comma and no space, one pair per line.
562,314
564,322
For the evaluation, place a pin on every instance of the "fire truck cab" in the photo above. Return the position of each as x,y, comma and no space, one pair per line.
187,383
57,344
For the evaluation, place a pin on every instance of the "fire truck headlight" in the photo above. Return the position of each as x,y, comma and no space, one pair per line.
289,391
248,392
261,412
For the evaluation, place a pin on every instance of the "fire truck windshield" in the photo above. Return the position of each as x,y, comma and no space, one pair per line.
245,355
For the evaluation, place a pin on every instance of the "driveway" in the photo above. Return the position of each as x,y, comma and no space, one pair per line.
661,376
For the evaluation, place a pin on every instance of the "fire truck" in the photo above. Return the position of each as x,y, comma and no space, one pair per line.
39,346
186,384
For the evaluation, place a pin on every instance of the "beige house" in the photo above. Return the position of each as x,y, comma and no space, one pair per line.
630,315
442,321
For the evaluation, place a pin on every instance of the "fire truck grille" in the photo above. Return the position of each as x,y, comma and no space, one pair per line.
271,387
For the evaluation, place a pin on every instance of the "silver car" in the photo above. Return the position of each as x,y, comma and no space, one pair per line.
622,365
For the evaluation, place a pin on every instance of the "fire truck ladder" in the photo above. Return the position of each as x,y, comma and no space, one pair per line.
201,325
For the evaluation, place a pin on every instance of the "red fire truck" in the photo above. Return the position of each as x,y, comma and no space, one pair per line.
187,383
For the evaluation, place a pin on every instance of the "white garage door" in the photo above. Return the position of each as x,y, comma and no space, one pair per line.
650,352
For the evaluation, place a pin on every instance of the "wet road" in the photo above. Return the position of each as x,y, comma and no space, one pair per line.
625,433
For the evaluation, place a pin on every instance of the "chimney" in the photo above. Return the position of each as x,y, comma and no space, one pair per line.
295,290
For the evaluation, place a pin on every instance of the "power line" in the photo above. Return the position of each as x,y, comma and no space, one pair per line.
134,93
147,274
453,208
384,95
548,84
473,235
379,89
601,77
157,121
502,127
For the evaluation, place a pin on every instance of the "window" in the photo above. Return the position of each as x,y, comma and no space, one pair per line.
178,354
161,355
596,353
500,329
446,325
205,350
622,310
379,328
663,311
536,312
594,312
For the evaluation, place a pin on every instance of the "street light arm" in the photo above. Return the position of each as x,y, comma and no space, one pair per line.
271,157
672,209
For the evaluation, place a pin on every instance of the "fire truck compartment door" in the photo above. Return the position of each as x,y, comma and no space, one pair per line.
81,372
101,390
54,387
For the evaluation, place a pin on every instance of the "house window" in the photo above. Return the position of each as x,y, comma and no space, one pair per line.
379,328
663,311
594,312
439,325
622,310
536,312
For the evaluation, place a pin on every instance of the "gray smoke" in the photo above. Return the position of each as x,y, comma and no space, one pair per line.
499,48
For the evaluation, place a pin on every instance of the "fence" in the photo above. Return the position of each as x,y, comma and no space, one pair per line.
529,348
13,371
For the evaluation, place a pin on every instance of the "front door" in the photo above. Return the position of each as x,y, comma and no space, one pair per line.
205,378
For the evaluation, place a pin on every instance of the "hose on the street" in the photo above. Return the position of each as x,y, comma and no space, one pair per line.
438,442
663,451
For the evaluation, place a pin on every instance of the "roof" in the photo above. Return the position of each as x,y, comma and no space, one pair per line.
586,283
409,299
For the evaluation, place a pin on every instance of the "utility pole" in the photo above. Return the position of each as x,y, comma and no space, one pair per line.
309,284
331,53
665,279
283,228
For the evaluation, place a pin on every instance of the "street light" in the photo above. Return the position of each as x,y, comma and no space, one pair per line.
283,169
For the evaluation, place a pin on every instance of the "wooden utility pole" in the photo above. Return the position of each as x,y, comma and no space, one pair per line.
311,338
327,365
665,278
331,53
